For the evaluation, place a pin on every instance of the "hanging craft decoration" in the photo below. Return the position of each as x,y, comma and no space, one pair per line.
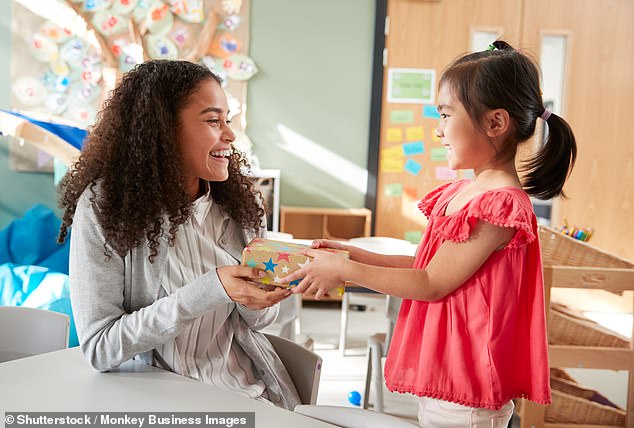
160,47
239,67
29,91
189,11
124,7
224,45
68,79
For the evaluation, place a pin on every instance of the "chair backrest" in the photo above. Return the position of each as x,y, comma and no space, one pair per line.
349,417
29,331
303,366
288,314
392,308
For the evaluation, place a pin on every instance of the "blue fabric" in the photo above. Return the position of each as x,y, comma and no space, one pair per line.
32,240
37,287
74,136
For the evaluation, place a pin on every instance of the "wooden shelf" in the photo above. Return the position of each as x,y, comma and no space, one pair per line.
569,263
328,223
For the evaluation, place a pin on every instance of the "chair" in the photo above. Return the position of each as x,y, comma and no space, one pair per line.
349,417
288,317
29,331
378,345
303,366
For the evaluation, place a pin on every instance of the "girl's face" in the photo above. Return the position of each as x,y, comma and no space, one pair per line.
204,136
467,145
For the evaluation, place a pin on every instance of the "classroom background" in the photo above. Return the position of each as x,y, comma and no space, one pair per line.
335,108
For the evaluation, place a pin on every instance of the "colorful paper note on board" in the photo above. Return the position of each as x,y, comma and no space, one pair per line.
393,189
413,167
392,165
431,112
414,148
411,192
395,152
445,173
394,135
438,154
411,85
414,133
402,116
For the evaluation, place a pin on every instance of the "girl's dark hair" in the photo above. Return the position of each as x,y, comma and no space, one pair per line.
132,153
504,78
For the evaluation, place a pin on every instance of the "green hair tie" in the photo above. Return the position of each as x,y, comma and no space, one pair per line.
491,47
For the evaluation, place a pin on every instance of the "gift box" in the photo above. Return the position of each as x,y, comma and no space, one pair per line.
278,259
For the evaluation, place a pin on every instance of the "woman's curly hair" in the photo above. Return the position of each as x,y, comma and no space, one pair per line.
132,154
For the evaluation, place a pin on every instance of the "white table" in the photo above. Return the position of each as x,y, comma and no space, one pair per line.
376,244
62,381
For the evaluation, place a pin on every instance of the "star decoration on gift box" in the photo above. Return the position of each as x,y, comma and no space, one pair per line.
285,269
277,279
301,265
294,283
270,266
282,256
252,263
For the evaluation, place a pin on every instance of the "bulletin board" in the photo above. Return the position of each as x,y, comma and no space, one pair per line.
412,161
68,54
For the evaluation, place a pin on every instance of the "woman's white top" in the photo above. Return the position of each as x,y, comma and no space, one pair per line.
205,350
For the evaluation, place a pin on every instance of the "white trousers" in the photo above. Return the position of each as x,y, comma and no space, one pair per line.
433,413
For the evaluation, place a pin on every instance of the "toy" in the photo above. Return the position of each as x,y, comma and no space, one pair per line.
354,398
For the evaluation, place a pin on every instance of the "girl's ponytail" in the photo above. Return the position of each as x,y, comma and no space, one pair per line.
548,169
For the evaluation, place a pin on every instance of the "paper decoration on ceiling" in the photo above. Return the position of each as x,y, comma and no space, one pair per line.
231,7
108,23
29,91
224,45
68,77
159,19
124,7
55,33
160,47
239,67
189,11
95,5
230,23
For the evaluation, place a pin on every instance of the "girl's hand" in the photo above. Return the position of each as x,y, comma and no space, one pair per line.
322,274
328,243
235,280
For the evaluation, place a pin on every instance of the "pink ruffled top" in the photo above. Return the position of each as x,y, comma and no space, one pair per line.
485,343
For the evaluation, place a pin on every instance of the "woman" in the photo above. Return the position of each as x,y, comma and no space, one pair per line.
161,211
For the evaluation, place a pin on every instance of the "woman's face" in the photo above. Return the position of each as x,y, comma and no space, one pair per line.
204,136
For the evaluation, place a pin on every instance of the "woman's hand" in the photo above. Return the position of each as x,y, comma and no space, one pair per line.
235,280
325,272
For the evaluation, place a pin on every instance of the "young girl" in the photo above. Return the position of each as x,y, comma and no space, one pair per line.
471,332
161,211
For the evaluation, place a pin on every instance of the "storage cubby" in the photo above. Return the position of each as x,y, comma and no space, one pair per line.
329,223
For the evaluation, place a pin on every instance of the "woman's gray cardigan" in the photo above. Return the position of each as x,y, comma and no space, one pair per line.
119,316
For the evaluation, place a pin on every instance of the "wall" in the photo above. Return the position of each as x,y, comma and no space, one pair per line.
309,104
20,190
5,51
